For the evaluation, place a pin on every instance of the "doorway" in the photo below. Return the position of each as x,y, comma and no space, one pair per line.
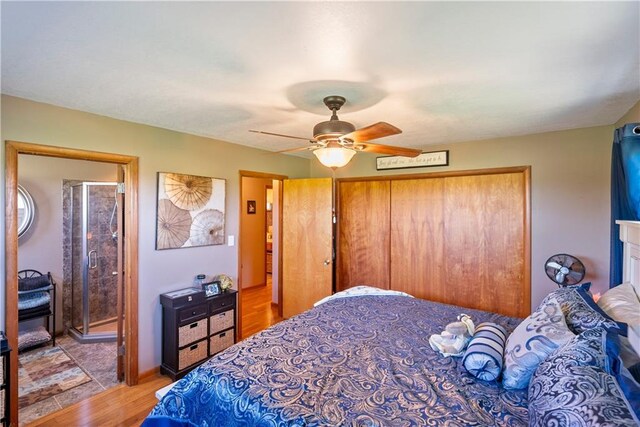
126,299
259,249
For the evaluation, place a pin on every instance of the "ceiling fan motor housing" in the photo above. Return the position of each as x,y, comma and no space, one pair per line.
334,127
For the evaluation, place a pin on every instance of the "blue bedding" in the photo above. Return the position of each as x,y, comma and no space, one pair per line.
362,361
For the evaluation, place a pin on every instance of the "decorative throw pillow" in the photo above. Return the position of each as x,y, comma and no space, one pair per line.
483,358
580,310
532,341
577,385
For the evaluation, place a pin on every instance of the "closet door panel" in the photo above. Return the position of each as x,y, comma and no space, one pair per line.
484,217
417,238
363,234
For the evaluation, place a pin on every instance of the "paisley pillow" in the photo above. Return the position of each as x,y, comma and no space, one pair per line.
532,341
580,310
578,385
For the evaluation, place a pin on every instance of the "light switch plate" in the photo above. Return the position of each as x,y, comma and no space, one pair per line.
231,240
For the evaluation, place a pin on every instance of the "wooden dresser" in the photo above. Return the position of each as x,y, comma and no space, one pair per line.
195,328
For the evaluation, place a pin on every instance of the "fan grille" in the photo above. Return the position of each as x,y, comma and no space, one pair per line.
565,269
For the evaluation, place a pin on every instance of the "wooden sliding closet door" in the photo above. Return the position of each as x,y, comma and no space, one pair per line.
417,238
460,238
484,219
363,234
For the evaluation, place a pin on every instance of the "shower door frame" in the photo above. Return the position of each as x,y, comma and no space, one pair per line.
130,259
86,335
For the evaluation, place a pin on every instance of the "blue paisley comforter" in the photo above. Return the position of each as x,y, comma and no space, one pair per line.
362,361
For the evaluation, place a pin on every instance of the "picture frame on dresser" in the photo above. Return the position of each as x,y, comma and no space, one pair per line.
211,288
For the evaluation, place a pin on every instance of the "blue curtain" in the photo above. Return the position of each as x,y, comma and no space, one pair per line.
625,190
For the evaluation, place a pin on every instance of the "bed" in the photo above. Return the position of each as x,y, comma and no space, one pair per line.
355,360
365,360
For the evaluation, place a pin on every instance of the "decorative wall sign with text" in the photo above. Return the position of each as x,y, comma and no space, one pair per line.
424,160
190,211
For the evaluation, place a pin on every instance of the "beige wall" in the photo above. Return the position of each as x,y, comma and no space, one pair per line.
254,235
40,248
159,150
570,192
632,116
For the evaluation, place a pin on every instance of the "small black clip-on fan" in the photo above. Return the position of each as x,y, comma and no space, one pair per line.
564,269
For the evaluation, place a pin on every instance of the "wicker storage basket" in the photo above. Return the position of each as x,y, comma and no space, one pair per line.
192,354
192,332
221,341
222,321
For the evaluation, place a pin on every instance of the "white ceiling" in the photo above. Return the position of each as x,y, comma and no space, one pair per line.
442,72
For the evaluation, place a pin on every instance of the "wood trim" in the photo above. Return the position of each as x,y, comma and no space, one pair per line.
527,236
273,176
467,172
131,268
252,174
11,273
69,153
279,260
130,163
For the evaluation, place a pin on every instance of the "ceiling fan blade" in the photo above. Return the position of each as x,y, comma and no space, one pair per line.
375,131
387,149
284,136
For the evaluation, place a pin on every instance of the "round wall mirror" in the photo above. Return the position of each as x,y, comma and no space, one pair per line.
26,210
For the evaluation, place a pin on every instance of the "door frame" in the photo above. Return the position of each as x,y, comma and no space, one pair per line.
266,230
275,177
130,165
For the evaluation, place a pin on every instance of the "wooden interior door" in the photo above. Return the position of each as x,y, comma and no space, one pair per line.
363,234
307,244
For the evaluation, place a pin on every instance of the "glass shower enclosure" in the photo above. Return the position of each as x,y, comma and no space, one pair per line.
94,259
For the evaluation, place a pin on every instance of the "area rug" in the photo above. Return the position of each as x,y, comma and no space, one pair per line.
46,372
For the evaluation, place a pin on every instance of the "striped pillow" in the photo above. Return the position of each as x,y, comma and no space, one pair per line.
483,358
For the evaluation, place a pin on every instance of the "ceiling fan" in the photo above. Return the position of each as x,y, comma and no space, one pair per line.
335,142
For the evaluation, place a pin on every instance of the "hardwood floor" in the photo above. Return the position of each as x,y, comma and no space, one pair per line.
118,406
257,311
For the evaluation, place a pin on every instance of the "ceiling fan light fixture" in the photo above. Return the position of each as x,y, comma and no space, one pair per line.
334,157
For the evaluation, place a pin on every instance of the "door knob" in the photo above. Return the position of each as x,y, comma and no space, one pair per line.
326,262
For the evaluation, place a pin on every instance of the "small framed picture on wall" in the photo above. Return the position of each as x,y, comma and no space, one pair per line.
251,207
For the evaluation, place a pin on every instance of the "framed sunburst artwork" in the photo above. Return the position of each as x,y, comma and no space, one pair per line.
190,211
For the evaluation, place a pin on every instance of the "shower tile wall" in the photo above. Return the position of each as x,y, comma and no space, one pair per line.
102,281
77,258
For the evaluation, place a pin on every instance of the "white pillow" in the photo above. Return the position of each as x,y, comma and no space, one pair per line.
621,304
